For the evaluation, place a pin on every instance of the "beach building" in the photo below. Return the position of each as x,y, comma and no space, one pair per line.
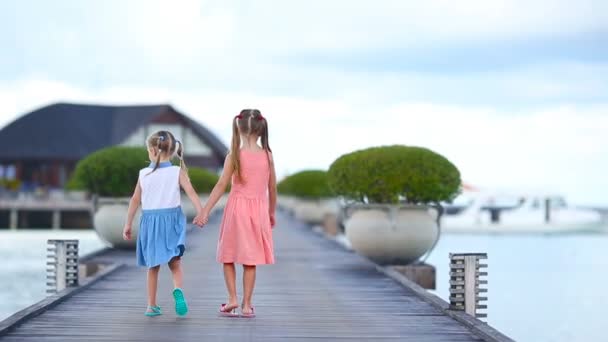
40,151
41,148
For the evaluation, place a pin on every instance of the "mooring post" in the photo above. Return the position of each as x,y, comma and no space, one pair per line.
547,210
465,273
56,224
62,265
13,219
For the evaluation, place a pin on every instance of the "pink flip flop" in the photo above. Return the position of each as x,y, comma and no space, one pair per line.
231,313
250,315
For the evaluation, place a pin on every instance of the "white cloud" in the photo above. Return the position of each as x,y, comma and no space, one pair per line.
158,32
328,26
212,58
261,47
179,28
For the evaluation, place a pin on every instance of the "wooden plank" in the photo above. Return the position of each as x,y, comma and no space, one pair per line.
315,291
479,327
45,305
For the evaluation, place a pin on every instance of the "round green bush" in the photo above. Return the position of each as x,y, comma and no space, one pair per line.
110,172
202,180
390,174
74,184
310,184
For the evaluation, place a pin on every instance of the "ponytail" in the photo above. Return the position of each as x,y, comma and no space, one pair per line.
264,138
159,141
180,154
235,148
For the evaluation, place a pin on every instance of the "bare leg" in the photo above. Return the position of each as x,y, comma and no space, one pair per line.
152,285
230,278
181,307
175,265
248,285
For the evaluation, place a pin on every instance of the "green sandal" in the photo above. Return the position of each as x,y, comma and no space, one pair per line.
155,311
181,308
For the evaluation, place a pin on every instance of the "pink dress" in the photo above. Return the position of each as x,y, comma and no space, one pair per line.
245,232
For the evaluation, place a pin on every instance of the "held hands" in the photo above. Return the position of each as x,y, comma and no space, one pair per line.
126,232
201,218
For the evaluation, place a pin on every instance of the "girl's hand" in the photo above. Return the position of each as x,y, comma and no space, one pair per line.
272,220
201,218
126,232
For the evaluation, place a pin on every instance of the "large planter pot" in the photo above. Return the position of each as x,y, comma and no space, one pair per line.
330,225
314,211
109,220
331,206
396,235
190,211
309,211
188,208
76,195
286,203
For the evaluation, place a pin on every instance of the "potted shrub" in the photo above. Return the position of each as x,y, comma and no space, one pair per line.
312,192
111,174
74,190
395,192
285,200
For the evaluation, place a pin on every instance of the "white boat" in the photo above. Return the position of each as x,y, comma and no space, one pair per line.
535,213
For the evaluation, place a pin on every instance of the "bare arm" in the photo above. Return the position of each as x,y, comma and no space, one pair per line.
184,182
272,187
272,191
133,206
220,188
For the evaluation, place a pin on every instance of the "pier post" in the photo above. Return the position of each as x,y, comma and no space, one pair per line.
465,289
62,265
13,219
56,219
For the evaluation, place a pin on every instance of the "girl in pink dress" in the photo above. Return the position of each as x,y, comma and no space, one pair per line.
246,229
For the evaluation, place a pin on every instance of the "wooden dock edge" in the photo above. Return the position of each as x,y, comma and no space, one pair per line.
95,254
479,328
36,309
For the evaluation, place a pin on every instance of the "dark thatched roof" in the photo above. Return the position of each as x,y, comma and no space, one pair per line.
71,131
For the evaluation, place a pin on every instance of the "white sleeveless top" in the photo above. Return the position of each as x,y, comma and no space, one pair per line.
160,189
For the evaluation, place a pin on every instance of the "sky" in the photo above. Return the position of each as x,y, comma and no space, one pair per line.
514,93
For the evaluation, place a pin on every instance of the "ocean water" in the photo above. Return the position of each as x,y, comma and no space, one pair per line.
541,287
22,270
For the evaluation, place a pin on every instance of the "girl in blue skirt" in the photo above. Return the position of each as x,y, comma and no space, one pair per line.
162,230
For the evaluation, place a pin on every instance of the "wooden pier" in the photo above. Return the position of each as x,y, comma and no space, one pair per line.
317,291
19,208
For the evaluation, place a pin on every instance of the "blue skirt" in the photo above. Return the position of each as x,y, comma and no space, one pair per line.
161,237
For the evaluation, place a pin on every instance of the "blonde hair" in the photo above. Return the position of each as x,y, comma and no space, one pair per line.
165,144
